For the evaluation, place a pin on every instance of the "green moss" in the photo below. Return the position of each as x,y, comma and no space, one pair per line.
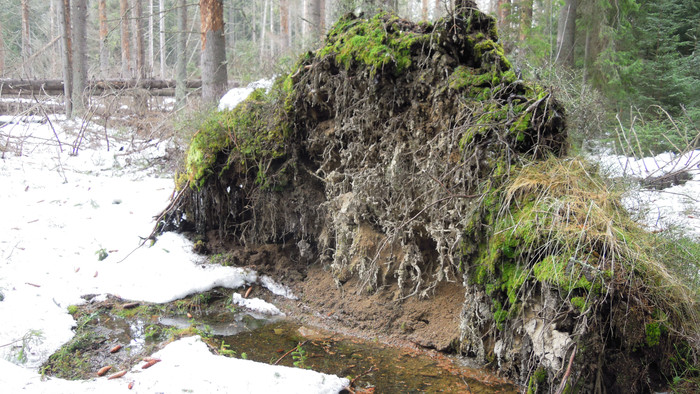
378,42
251,132
653,333
579,303
73,309
562,271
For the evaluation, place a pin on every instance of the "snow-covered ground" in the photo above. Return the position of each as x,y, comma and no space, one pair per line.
676,206
59,213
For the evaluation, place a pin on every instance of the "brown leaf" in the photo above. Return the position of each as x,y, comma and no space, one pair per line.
115,349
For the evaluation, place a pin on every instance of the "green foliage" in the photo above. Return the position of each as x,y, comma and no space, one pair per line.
300,356
101,254
653,333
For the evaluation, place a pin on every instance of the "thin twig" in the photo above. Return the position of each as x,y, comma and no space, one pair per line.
290,351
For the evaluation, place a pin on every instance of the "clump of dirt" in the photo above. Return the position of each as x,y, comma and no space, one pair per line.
407,182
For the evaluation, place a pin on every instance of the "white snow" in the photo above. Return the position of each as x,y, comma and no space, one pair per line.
677,206
59,212
186,366
234,96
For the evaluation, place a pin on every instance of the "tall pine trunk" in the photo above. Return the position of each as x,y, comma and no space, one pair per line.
137,38
126,50
104,50
79,18
285,35
213,62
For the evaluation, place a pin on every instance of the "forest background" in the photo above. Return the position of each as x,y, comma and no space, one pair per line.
625,64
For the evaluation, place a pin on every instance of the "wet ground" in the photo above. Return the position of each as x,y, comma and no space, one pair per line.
138,330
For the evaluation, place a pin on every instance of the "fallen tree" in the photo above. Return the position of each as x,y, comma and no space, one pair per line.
402,156
96,87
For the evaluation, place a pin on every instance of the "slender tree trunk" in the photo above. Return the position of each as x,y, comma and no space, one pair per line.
566,34
79,17
503,13
52,33
161,36
312,15
126,50
213,63
63,8
151,39
26,43
272,30
2,52
262,30
525,18
181,58
284,26
139,50
104,51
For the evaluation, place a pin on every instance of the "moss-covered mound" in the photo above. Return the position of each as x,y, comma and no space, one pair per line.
408,155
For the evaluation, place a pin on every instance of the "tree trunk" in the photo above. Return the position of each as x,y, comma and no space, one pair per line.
181,65
312,15
151,38
566,34
2,52
161,36
26,44
525,18
262,30
126,50
285,35
104,50
79,17
63,9
139,50
214,75
503,13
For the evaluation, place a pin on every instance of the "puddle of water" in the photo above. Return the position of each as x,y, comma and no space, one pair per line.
394,369
217,326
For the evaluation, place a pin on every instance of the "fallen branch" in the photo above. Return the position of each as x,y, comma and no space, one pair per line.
290,352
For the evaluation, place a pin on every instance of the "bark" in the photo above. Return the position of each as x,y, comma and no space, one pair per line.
79,17
284,26
213,62
137,36
62,6
26,44
104,51
126,50
262,30
181,72
424,10
566,34
321,17
312,16
2,52
161,36
525,18
503,12
151,38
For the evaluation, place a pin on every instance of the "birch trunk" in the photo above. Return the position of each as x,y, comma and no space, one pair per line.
28,72
161,36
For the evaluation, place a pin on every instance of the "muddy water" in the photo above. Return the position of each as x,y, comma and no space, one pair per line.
387,369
